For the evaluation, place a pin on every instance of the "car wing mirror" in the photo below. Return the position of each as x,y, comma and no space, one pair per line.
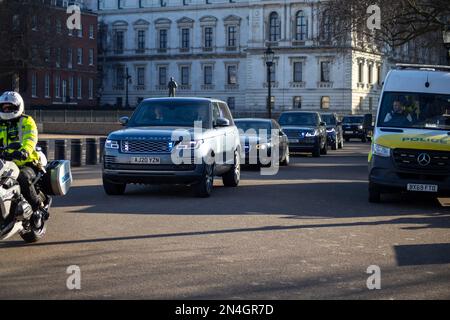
222,122
124,121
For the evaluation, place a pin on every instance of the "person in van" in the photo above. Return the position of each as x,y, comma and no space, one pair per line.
398,116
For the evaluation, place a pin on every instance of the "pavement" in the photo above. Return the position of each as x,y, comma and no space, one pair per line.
306,233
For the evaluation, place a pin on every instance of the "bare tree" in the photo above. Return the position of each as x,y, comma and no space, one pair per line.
28,36
401,20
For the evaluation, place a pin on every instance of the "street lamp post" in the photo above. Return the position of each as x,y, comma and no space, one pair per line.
127,79
269,57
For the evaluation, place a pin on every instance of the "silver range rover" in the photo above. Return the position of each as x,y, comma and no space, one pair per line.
174,141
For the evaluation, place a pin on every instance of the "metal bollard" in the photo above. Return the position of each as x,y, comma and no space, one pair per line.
102,148
75,153
91,151
60,149
44,147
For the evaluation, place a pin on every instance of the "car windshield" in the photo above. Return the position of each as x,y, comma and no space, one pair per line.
171,113
329,119
415,110
245,126
353,120
299,119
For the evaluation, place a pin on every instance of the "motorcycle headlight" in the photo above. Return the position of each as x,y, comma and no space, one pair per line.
112,144
312,133
381,150
189,145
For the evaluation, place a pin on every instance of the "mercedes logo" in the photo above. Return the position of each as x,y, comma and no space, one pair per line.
424,159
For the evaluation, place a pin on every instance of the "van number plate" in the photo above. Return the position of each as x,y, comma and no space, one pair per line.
145,160
423,187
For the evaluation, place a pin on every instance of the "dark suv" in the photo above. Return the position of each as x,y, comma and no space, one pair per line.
357,127
334,130
306,132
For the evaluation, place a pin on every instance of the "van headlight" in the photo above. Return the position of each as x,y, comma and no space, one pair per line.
189,145
381,151
112,144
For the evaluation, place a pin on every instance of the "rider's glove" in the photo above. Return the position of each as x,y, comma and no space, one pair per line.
19,155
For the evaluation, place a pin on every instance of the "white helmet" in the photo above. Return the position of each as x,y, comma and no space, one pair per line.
15,101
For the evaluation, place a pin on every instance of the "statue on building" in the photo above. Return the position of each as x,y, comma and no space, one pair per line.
172,87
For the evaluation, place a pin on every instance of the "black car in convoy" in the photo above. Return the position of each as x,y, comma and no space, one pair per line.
258,144
334,130
357,127
306,132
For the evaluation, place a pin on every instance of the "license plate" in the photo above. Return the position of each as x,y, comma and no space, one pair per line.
422,187
347,131
294,140
146,160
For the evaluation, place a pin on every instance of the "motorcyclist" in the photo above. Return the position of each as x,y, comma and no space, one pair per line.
18,128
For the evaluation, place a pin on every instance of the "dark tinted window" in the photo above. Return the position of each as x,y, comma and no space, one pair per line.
299,119
329,119
354,120
171,113
225,112
246,125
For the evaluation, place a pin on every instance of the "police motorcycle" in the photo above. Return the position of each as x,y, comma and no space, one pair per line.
16,214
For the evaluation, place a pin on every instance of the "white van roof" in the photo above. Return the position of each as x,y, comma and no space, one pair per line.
423,79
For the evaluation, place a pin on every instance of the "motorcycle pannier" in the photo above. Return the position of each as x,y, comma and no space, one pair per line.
58,179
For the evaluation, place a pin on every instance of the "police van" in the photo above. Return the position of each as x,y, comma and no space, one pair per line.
411,143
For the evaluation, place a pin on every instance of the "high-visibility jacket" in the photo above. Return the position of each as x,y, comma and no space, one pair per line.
22,130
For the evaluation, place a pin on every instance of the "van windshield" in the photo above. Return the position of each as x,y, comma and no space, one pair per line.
415,110
171,113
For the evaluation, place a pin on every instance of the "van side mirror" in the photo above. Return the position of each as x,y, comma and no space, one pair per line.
124,121
222,122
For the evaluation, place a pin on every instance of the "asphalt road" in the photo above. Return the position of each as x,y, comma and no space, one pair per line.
306,233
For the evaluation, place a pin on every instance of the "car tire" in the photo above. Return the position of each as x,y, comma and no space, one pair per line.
316,151
233,176
114,189
286,159
374,194
204,187
34,235
324,150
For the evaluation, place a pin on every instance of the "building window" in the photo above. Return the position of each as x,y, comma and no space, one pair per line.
57,86
208,37
231,101
163,38
185,76
361,72
162,75
140,76
80,56
91,89
325,71
79,88
185,33
120,75
301,26
232,36
69,58
34,85
207,75
370,74
34,23
91,31
325,103
118,42
361,103
71,87
58,57
370,104
232,74
297,102
298,71
58,26
80,31
47,86
91,57
326,26
379,75
141,41
274,27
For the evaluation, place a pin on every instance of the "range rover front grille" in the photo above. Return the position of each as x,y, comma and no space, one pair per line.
145,146
422,161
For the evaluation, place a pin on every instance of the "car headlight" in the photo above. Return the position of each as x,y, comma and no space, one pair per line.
381,150
263,146
112,144
312,133
189,145
360,127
